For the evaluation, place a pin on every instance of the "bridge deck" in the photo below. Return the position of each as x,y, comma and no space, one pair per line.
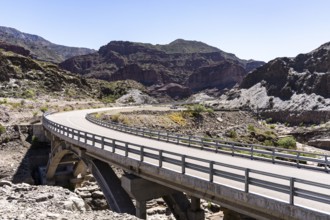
76,120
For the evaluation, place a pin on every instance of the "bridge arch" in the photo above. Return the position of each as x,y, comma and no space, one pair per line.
76,164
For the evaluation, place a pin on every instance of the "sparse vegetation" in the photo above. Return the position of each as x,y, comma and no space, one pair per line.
251,128
232,134
29,94
2,129
44,108
197,109
287,142
178,118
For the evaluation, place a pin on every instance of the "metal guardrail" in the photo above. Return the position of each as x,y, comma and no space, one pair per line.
300,159
294,187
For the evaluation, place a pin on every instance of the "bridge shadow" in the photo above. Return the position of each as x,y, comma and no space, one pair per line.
35,156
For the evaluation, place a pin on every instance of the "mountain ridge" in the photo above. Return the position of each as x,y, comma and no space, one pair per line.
153,65
39,47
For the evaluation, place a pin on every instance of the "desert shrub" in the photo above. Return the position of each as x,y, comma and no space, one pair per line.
269,120
178,118
2,129
287,142
35,113
3,101
115,118
251,128
29,94
232,134
272,126
197,109
268,143
44,108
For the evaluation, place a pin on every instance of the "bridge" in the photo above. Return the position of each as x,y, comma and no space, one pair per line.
181,173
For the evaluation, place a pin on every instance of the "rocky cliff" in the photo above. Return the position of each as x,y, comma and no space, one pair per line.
191,64
306,73
39,47
24,77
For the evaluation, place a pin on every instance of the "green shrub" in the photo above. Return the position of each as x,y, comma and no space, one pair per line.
29,94
44,108
232,134
197,109
251,128
269,120
287,142
272,126
4,101
2,129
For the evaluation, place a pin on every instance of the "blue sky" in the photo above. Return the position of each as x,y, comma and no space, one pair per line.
256,29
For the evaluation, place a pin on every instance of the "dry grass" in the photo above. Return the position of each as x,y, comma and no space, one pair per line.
178,118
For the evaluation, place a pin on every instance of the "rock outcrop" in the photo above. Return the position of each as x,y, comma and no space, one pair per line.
190,64
306,73
24,201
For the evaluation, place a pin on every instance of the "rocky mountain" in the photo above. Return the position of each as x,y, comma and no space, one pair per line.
304,74
192,65
24,77
40,48
289,90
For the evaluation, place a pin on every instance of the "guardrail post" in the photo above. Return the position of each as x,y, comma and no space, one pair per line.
326,164
211,171
160,158
78,136
177,138
85,137
297,160
158,135
142,132
247,178
202,143
167,136
183,165
113,146
126,149
232,150
93,143
141,153
291,191
102,143
216,146
189,140
252,152
273,155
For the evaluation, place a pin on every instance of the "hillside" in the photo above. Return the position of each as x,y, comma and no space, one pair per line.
289,90
40,48
24,77
188,64
304,74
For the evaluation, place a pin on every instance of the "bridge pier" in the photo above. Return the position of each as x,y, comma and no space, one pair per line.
143,190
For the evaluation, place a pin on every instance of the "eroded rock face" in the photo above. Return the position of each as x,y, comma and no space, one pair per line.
306,73
188,63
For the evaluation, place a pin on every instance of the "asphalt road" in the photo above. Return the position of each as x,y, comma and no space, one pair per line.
76,119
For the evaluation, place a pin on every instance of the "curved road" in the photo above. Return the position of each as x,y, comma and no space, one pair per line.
76,119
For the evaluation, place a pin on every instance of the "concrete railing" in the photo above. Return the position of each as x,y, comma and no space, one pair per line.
300,159
292,187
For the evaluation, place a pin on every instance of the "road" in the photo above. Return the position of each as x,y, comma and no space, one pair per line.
76,119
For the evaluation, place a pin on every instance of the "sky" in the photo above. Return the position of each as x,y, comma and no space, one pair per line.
251,29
